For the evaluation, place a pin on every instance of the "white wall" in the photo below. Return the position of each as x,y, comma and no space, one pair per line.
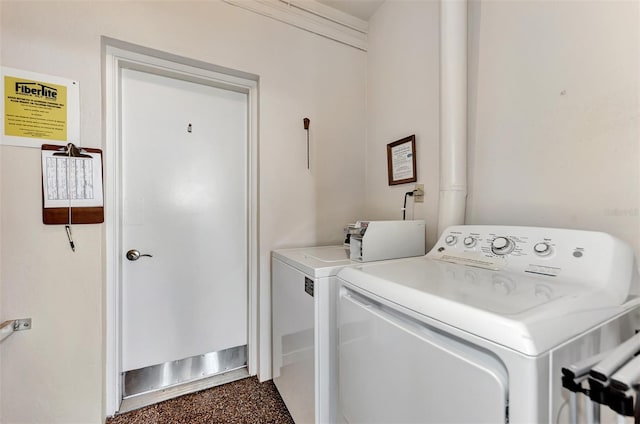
54,372
553,129
403,99
554,109
554,132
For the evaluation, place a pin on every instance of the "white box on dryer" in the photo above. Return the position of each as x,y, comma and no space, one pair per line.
380,240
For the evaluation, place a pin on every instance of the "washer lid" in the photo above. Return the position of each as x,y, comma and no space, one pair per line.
529,314
316,262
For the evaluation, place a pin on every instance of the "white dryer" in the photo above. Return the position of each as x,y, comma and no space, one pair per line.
479,328
303,295
303,299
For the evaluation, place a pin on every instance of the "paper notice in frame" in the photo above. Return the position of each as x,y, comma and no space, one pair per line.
38,108
401,161
401,158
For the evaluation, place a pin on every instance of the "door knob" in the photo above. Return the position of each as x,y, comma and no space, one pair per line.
134,255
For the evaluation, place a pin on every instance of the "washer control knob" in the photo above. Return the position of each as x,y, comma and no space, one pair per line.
502,246
469,241
542,249
450,240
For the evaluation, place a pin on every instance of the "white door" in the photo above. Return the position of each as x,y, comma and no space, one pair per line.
184,203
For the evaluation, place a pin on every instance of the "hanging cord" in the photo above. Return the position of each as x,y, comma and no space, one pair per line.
404,206
68,226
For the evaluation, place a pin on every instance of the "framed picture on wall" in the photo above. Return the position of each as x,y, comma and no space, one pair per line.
401,161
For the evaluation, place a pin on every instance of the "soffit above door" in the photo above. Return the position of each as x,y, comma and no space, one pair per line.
317,17
361,9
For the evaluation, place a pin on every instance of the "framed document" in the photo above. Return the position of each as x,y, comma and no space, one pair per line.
401,161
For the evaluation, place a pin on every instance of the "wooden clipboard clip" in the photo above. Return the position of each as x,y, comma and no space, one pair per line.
70,150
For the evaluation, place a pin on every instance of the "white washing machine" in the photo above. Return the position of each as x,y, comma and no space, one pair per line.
479,328
304,313
303,295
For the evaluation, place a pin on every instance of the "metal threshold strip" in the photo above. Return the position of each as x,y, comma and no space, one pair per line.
156,383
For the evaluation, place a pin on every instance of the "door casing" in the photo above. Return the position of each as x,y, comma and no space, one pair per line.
118,55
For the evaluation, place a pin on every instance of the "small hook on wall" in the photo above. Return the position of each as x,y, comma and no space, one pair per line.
189,127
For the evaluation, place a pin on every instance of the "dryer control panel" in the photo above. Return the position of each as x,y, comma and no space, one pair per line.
584,257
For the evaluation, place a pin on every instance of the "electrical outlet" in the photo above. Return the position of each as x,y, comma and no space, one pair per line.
418,196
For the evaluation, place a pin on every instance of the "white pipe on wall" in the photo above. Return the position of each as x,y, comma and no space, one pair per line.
453,113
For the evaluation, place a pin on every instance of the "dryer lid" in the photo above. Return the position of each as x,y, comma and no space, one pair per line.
530,314
317,262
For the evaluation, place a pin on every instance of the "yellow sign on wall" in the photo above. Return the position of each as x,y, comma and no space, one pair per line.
34,109
38,108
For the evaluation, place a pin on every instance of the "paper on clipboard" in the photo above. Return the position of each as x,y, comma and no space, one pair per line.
71,181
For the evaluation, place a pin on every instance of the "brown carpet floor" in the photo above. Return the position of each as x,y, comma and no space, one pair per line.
244,401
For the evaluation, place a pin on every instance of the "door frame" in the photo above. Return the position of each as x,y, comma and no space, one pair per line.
117,55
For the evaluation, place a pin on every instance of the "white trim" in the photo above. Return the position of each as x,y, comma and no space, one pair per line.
113,388
331,14
312,16
254,231
118,55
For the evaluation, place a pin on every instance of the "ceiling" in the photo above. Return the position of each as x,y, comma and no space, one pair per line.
362,9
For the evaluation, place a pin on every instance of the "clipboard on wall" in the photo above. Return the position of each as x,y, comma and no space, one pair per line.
72,191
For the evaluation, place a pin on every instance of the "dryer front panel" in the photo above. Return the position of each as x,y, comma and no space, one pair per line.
396,369
293,311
